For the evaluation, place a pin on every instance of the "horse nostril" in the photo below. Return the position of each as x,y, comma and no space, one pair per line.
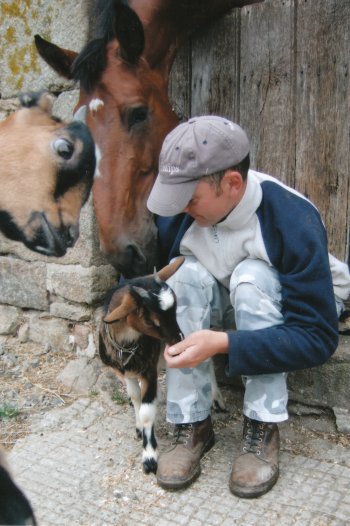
63,148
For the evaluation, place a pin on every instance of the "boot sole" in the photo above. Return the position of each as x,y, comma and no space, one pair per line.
182,484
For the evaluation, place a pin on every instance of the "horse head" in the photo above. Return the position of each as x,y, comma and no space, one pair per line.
127,109
46,175
123,73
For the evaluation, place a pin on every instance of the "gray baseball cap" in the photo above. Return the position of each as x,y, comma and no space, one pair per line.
201,146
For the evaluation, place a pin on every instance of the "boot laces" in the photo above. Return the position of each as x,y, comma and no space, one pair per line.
182,433
253,436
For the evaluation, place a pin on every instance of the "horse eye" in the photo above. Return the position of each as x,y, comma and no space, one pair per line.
63,148
136,116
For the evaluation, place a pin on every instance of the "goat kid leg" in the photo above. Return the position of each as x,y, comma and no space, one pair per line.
218,401
134,392
148,413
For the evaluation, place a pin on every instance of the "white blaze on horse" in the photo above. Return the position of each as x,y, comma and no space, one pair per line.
46,175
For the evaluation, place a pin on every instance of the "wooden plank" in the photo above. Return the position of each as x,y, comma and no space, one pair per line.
180,83
322,113
281,70
267,85
215,68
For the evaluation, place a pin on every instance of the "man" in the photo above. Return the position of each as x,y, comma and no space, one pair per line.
257,250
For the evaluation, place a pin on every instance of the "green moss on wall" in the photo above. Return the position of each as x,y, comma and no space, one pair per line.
20,23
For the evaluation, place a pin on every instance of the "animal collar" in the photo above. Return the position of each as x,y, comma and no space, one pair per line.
121,350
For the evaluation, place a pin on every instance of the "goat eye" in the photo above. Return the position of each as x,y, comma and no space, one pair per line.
63,148
136,116
152,322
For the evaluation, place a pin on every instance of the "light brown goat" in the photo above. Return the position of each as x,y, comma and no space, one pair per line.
47,169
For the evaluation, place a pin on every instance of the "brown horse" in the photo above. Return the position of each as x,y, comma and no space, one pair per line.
123,74
47,169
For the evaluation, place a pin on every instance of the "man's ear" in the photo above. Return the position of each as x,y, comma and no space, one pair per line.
232,181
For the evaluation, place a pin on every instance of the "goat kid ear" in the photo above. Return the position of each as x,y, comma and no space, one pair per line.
127,306
170,269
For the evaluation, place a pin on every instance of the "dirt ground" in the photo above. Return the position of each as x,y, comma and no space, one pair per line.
29,386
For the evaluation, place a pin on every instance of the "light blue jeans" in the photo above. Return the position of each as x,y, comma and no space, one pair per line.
253,302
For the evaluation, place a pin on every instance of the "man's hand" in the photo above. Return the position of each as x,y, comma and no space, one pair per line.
196,348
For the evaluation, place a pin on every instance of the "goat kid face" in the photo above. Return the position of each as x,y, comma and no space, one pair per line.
46,175
146,305
144,310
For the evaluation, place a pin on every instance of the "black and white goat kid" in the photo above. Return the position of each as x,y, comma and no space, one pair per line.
138,316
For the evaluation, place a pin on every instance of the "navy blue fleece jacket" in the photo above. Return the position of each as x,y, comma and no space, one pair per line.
288,233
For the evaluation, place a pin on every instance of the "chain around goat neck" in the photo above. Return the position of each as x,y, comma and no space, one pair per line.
131,350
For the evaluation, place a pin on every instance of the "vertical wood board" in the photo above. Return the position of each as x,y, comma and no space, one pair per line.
281,70
322,112
215,69
266,90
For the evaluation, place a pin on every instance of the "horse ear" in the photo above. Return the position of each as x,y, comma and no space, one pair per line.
128,30
127,305
58,58
170,269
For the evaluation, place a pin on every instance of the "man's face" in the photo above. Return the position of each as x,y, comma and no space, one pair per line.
208,206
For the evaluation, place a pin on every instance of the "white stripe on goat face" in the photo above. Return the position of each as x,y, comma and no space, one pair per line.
166,299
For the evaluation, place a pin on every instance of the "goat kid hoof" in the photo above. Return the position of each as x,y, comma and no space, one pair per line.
150,466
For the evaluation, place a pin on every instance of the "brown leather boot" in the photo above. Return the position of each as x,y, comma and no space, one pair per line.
180,466
256,470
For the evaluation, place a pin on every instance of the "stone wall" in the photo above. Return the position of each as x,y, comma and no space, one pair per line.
47,300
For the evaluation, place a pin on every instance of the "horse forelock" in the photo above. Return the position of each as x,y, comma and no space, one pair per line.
89,65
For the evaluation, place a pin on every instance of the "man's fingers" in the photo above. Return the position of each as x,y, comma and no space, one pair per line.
174,350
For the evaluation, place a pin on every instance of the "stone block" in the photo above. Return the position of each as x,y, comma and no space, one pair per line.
23,284
48,331
81,375
65,103
327,385
70,311
10,318
79,284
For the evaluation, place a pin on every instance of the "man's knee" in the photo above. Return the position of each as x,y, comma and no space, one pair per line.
257,273
255,293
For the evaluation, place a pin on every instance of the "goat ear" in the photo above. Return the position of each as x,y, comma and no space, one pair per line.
127,305
170,269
